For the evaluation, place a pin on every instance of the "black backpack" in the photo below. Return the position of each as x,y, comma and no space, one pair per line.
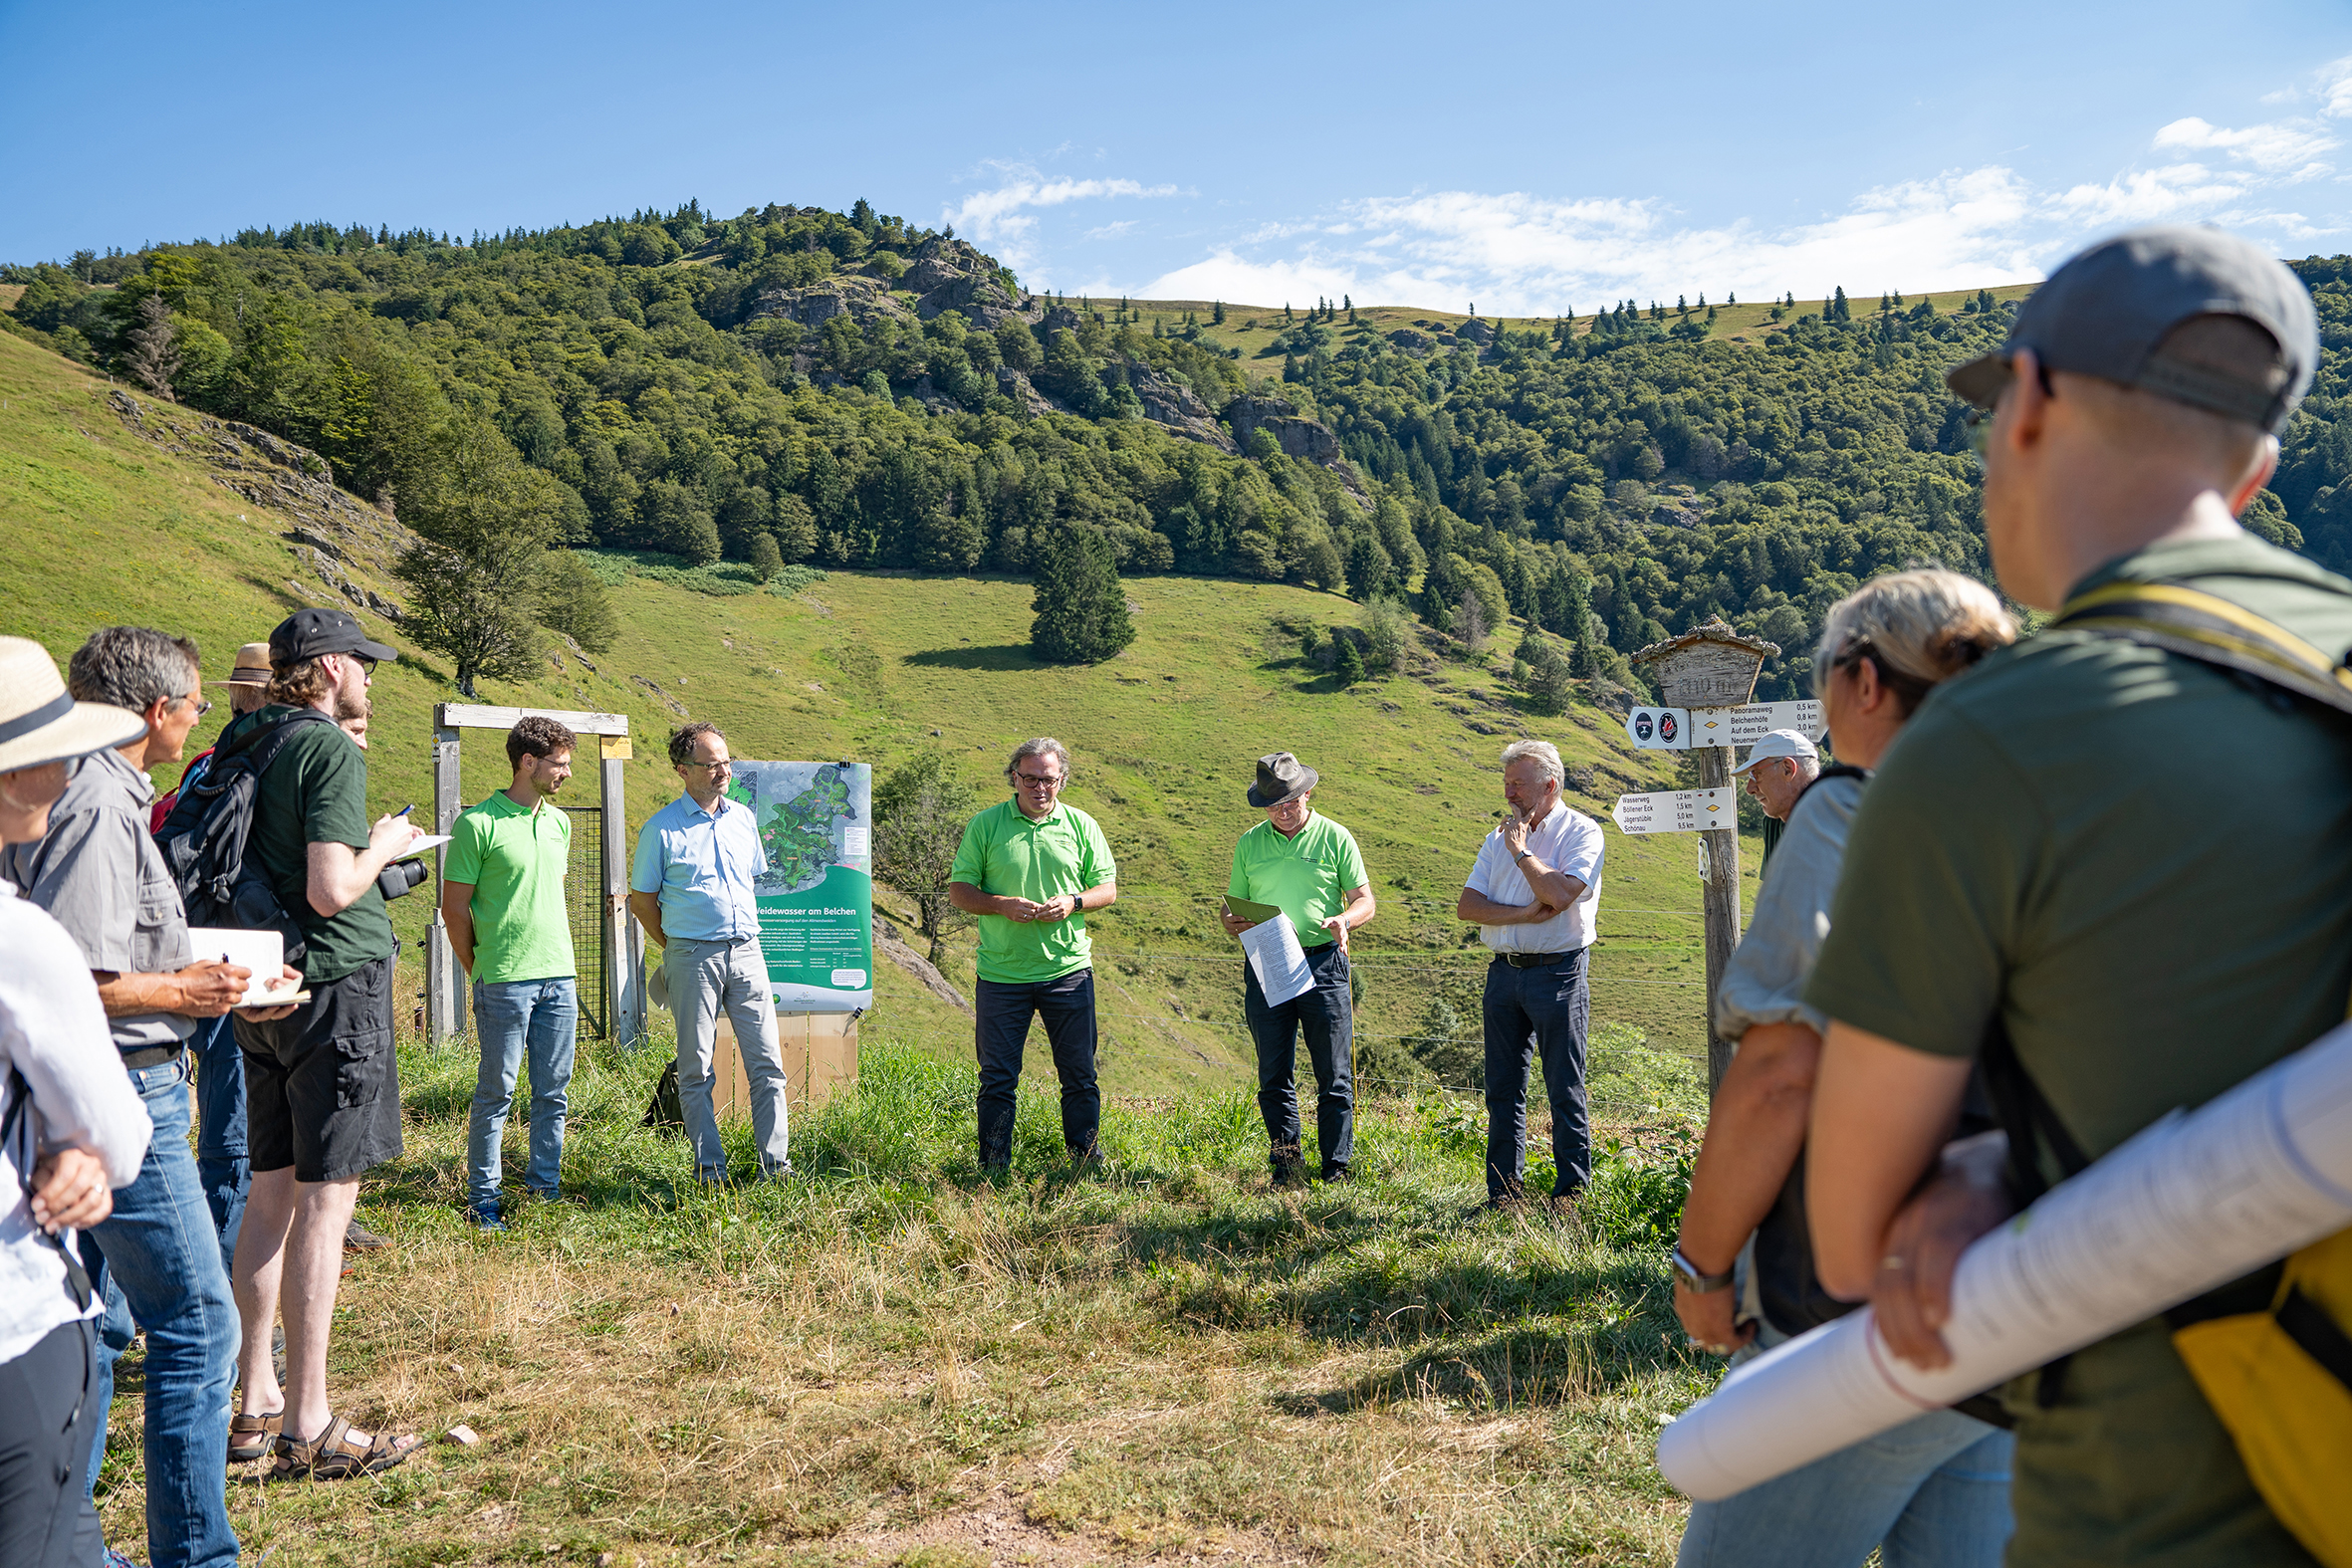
204,838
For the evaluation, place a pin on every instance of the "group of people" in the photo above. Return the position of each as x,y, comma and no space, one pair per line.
2053,889
2015,885
1030,867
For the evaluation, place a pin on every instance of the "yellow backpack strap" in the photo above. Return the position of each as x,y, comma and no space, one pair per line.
2207,627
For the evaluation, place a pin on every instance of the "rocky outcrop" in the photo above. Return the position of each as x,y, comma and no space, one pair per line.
1307,440
1170,402
1412,341
1473,330
861,299
891,945
949,275
1025,396
339,536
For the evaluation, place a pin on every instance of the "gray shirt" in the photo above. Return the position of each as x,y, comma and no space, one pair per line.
1766,980
99,873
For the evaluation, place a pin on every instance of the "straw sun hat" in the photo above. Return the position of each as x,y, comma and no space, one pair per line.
40,723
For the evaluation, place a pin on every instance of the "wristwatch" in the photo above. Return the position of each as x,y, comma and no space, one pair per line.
1699,1284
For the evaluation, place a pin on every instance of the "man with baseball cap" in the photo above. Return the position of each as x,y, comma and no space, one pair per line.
2041,875
1779,767
321,1087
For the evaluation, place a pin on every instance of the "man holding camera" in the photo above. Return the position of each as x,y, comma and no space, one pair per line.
321,1086
502,903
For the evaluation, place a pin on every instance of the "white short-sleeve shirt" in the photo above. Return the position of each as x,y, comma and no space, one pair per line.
1569,842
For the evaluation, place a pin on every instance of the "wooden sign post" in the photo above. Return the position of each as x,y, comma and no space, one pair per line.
1712,667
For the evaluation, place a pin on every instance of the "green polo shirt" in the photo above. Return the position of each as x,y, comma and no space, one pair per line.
2143,868
1306,875
515,859
1005,855
315,792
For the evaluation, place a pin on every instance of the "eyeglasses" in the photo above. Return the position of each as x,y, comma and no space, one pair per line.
366,665
202,706
1040,781
716,767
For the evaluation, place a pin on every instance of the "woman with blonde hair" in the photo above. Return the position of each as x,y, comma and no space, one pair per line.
1933,1492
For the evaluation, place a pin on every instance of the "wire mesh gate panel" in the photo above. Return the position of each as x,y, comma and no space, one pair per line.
584,906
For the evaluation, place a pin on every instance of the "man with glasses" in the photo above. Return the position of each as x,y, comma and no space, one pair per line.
690,887
100,874
1029,868
322,1085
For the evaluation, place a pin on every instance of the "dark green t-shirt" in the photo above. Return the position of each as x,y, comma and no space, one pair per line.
2144,868
315,792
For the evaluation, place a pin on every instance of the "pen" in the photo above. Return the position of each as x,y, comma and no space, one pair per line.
405,810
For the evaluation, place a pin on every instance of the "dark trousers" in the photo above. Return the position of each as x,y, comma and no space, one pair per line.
220,1127
1527,1011
48,1409
1002,1011
1328,1019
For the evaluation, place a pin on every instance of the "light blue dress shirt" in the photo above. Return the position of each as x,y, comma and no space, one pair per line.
701,863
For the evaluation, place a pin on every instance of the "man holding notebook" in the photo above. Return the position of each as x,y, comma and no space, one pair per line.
1029,868
1304,866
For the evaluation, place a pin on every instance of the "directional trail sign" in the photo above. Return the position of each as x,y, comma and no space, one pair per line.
1676,810
1680,729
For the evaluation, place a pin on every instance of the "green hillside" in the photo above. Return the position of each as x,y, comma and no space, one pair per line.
102,524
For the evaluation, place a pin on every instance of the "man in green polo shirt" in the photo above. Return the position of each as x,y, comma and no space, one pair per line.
502,904
2135,865
1029,868
1309,868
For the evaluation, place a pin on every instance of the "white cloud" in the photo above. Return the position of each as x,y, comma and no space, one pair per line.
2274,148
2335,89
1001,216
2151,195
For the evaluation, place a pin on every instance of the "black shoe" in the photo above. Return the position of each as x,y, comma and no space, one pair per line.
1290,1165
356,1238
1338,1172
1089,1161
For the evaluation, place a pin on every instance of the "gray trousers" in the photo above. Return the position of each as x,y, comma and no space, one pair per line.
704,978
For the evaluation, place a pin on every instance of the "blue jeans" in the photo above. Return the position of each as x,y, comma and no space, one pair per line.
1528,1011
220,1128
1327,1018
1933,1493
1000,1030
160,1257
511,1018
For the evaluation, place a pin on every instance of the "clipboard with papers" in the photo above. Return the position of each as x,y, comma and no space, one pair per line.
1275,956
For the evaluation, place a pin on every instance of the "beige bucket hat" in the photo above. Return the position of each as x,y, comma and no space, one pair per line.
40,723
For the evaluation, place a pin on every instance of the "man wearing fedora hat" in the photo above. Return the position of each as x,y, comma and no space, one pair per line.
72,1130
1030,868
1308,866
98,871
220,1065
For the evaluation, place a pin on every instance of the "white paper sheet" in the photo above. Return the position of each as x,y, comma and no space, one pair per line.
1277,959
263,952
2189,1203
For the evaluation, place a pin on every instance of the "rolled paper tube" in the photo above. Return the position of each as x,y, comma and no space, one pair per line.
2189,1203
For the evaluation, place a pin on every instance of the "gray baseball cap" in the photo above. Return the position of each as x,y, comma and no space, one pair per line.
2106,313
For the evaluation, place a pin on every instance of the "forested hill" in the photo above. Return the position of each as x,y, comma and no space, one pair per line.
865,393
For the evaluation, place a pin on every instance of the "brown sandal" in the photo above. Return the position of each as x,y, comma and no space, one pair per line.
252,1437
333,1456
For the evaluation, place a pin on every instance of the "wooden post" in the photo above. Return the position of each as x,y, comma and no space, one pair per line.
1713,666
444,985
625,951
1719,849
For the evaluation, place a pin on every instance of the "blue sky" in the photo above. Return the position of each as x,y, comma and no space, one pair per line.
1529,159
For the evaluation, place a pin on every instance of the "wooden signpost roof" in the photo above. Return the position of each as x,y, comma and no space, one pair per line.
1709,666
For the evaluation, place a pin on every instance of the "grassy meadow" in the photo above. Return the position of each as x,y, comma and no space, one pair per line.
886,1360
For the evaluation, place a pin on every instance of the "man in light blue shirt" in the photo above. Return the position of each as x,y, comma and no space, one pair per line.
691,889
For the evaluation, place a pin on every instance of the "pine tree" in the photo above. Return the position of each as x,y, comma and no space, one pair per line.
1217,312
919,812
1081,608
1731,297
1348,664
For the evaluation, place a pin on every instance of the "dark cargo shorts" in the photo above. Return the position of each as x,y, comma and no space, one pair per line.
322,1085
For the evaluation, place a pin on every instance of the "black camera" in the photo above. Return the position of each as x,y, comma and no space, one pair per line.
401,877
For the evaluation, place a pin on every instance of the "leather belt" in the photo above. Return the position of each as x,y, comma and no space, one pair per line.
152,1057
1536,960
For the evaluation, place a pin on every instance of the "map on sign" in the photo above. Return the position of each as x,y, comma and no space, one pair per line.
815,898
1676,810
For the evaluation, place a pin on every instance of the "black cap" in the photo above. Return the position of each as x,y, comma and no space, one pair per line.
306,634
2107,310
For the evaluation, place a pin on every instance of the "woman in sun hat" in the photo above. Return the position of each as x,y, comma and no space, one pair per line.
71,1131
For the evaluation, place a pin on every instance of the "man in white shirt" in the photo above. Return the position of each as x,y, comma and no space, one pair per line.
1535,891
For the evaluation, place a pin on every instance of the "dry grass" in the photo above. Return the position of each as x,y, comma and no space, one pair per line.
889,1360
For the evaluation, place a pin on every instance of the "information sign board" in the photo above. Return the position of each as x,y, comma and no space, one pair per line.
1680,729
1659,729
1676,810
817,897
